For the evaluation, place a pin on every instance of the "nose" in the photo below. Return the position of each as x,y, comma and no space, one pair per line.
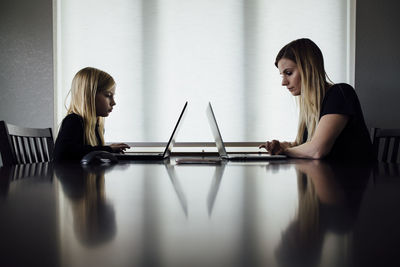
284,81
112,102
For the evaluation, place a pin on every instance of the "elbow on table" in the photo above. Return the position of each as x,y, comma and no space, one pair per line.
320,153
317,155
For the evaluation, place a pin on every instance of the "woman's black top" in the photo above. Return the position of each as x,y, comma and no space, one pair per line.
70,143
354,142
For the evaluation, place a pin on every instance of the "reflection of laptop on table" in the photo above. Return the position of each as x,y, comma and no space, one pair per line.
177,187
212,194
216,181
221,147
156,156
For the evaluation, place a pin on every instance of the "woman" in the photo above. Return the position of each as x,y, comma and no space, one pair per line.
92,99
331,123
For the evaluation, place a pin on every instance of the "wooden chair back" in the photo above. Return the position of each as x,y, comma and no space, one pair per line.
20,145
386,143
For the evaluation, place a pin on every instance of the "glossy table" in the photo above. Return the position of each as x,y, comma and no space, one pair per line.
278,213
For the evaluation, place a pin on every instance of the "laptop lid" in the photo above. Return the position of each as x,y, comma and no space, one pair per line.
171,141
221,146
215,131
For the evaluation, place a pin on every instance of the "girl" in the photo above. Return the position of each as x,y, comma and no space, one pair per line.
92,99
331,123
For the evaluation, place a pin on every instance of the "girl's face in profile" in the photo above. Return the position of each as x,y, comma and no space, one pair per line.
105,102
290,76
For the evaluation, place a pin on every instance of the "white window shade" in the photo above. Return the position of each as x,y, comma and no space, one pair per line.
162,53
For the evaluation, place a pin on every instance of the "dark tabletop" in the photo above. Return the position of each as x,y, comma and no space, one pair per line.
277,213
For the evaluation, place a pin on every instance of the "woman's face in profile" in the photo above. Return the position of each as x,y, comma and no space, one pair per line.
290,76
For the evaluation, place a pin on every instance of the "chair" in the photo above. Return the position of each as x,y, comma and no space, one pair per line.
386,144
19,145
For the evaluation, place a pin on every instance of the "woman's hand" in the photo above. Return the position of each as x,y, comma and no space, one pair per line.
119,148
275,147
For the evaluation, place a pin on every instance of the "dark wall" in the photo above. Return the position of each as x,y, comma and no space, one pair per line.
377,75
26,66
26,63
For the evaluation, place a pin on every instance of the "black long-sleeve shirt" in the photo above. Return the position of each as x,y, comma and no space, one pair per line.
70,143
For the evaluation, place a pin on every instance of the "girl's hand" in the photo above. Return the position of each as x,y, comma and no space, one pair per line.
119,148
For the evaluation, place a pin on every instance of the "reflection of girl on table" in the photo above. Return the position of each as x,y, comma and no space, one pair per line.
93,216
92,99
331,123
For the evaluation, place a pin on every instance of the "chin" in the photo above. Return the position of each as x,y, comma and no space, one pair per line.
295,93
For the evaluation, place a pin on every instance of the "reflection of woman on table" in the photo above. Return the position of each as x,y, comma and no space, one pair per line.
324,206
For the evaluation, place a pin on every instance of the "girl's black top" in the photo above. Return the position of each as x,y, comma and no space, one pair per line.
70,143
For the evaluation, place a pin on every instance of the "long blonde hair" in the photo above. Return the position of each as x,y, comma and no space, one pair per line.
308,209
314,83
85,85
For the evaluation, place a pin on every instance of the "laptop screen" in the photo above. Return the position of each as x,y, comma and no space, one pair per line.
171,140
215,131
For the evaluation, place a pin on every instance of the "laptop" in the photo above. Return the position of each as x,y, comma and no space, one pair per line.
156,156
221,146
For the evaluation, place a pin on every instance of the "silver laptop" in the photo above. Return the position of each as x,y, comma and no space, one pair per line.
221,147
156,156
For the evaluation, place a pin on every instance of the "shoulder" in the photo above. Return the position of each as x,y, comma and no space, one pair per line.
73,116
341,90
340,99
72,120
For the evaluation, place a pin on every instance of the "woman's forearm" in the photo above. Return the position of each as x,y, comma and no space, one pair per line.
307,150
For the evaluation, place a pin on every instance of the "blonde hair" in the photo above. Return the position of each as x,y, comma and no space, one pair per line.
94,218
85,85
314,83
308,210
